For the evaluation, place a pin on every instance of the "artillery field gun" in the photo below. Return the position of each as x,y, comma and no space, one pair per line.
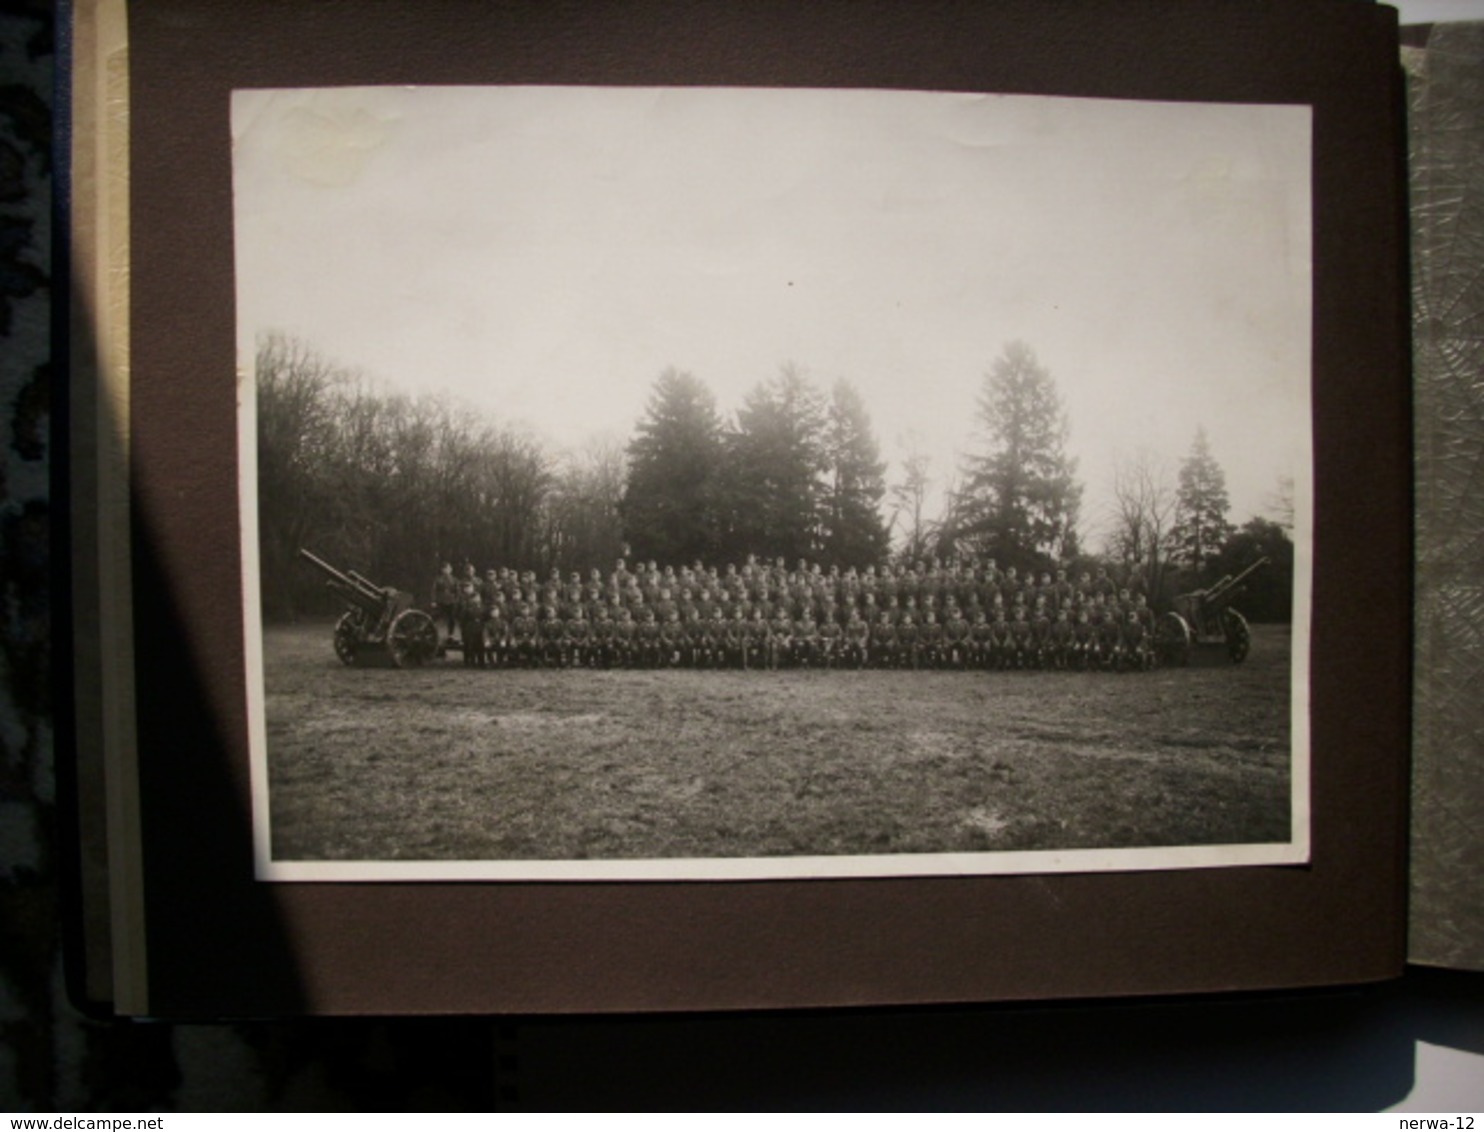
1205,619
379,621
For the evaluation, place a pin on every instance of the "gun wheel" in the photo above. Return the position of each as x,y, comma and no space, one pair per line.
412,639
1172,640
1238,636
350,631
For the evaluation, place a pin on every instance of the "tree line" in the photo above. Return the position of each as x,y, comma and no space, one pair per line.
388,484
797,474
1175,530
800,475
392,486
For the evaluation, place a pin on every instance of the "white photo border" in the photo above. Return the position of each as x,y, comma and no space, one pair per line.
1296,851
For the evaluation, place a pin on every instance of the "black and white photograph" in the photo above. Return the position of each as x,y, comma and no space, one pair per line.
738,483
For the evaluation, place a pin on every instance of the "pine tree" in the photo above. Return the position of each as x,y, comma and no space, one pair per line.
853,531
1201,527
775,464
669,504
1020,498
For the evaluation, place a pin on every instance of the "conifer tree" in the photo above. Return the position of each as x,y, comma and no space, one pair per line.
775,463
669,502
1201,527
1020,498
853,531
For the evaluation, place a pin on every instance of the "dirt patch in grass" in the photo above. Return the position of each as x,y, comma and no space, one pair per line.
448,763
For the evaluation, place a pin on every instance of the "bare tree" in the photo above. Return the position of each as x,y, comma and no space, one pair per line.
909,500
390,485
1145,502
584,523
515,476
297,435
1280,502
946,534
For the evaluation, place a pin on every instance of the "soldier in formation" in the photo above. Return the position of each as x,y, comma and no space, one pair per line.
760,615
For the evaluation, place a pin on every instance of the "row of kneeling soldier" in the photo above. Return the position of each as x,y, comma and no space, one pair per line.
1101,637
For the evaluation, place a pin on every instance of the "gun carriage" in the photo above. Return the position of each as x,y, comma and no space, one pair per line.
379,621
1205,619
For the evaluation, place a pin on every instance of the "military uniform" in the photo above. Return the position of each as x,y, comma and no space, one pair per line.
884,647
757,642
956,641
857,641
446,600
780,639
673,641
471,626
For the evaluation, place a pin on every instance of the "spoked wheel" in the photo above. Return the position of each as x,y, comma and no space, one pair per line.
1172,640
1238,636
412,639
350,631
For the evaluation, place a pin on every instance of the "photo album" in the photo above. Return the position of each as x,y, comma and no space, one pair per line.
622,508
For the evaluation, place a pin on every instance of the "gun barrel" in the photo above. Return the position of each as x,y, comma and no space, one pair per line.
320,564
1263,561
1220,589
354,588
1229,583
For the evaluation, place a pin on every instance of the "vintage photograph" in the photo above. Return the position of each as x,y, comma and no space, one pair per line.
710,483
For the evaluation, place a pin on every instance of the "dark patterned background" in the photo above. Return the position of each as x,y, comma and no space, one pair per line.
51,1055
30,996
1446,107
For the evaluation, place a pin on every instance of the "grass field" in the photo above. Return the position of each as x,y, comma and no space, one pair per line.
448,763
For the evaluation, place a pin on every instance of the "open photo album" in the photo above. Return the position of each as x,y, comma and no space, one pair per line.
796,507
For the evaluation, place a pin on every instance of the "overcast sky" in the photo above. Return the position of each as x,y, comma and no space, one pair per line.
545,253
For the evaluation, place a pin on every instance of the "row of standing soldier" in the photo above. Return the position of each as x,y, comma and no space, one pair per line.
811,586
764,616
